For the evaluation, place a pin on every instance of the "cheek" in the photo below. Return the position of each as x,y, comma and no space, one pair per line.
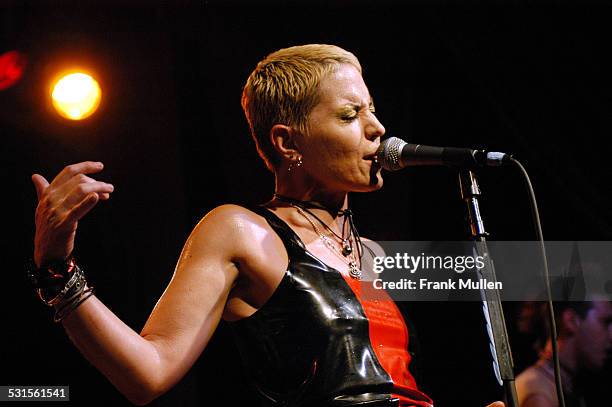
336,149
594,335
344,162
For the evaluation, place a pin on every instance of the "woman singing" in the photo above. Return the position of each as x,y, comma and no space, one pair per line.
284,275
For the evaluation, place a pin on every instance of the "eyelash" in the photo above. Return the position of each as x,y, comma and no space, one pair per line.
350,118
355,114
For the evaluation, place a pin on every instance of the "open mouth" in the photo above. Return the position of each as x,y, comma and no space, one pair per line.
374,160
372,157
374,169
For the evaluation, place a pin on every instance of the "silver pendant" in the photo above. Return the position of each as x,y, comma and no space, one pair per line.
354,271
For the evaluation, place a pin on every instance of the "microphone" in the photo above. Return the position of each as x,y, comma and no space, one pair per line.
394,154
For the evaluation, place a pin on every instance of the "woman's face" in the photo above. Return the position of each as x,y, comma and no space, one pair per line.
343,135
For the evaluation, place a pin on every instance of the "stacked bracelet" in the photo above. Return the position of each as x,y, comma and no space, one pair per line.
66,307
76,280
61,285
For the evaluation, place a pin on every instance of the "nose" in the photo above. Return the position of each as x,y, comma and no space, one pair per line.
374,128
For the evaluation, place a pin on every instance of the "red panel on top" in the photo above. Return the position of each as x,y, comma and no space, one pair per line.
389,339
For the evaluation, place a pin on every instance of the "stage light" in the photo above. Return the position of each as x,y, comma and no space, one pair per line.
12,65
76,96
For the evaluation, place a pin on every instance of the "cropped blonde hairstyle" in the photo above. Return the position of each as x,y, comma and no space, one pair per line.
283,89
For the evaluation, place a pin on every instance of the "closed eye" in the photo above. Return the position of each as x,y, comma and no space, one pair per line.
349,113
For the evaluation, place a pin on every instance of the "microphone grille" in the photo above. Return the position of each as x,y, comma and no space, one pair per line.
389,153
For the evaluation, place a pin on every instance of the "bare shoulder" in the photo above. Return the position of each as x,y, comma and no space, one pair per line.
226,223
232,229
228,215
243,242
534,389
538,400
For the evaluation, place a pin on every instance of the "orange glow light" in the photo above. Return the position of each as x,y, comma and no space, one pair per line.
76,96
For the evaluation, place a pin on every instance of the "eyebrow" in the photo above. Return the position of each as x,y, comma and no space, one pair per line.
360,105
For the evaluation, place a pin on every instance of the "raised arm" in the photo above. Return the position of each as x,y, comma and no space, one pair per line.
141,366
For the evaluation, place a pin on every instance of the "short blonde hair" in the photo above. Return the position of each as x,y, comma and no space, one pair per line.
283,89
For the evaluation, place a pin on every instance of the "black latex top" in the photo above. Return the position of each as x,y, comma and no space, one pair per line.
308,345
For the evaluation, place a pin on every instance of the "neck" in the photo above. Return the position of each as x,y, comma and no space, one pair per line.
567,354
326,206
334,201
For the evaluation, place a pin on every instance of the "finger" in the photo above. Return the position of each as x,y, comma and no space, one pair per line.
75,181
497,404
82,190
68,187
85,167
40,183
83,207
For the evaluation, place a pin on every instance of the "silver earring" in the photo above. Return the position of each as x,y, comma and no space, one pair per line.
296,164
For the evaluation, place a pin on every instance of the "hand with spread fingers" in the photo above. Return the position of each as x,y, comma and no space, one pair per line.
61,204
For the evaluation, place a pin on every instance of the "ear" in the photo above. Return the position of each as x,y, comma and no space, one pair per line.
283,139
570,321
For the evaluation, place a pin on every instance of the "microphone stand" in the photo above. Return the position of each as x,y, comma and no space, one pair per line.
491,302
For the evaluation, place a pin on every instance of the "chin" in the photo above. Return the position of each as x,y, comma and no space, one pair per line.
375,183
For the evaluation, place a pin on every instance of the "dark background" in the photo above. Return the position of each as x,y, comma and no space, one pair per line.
529,78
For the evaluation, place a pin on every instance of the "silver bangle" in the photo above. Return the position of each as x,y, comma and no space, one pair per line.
72,304
76,278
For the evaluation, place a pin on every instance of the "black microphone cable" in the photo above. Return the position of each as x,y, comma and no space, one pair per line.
390,155
551,313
